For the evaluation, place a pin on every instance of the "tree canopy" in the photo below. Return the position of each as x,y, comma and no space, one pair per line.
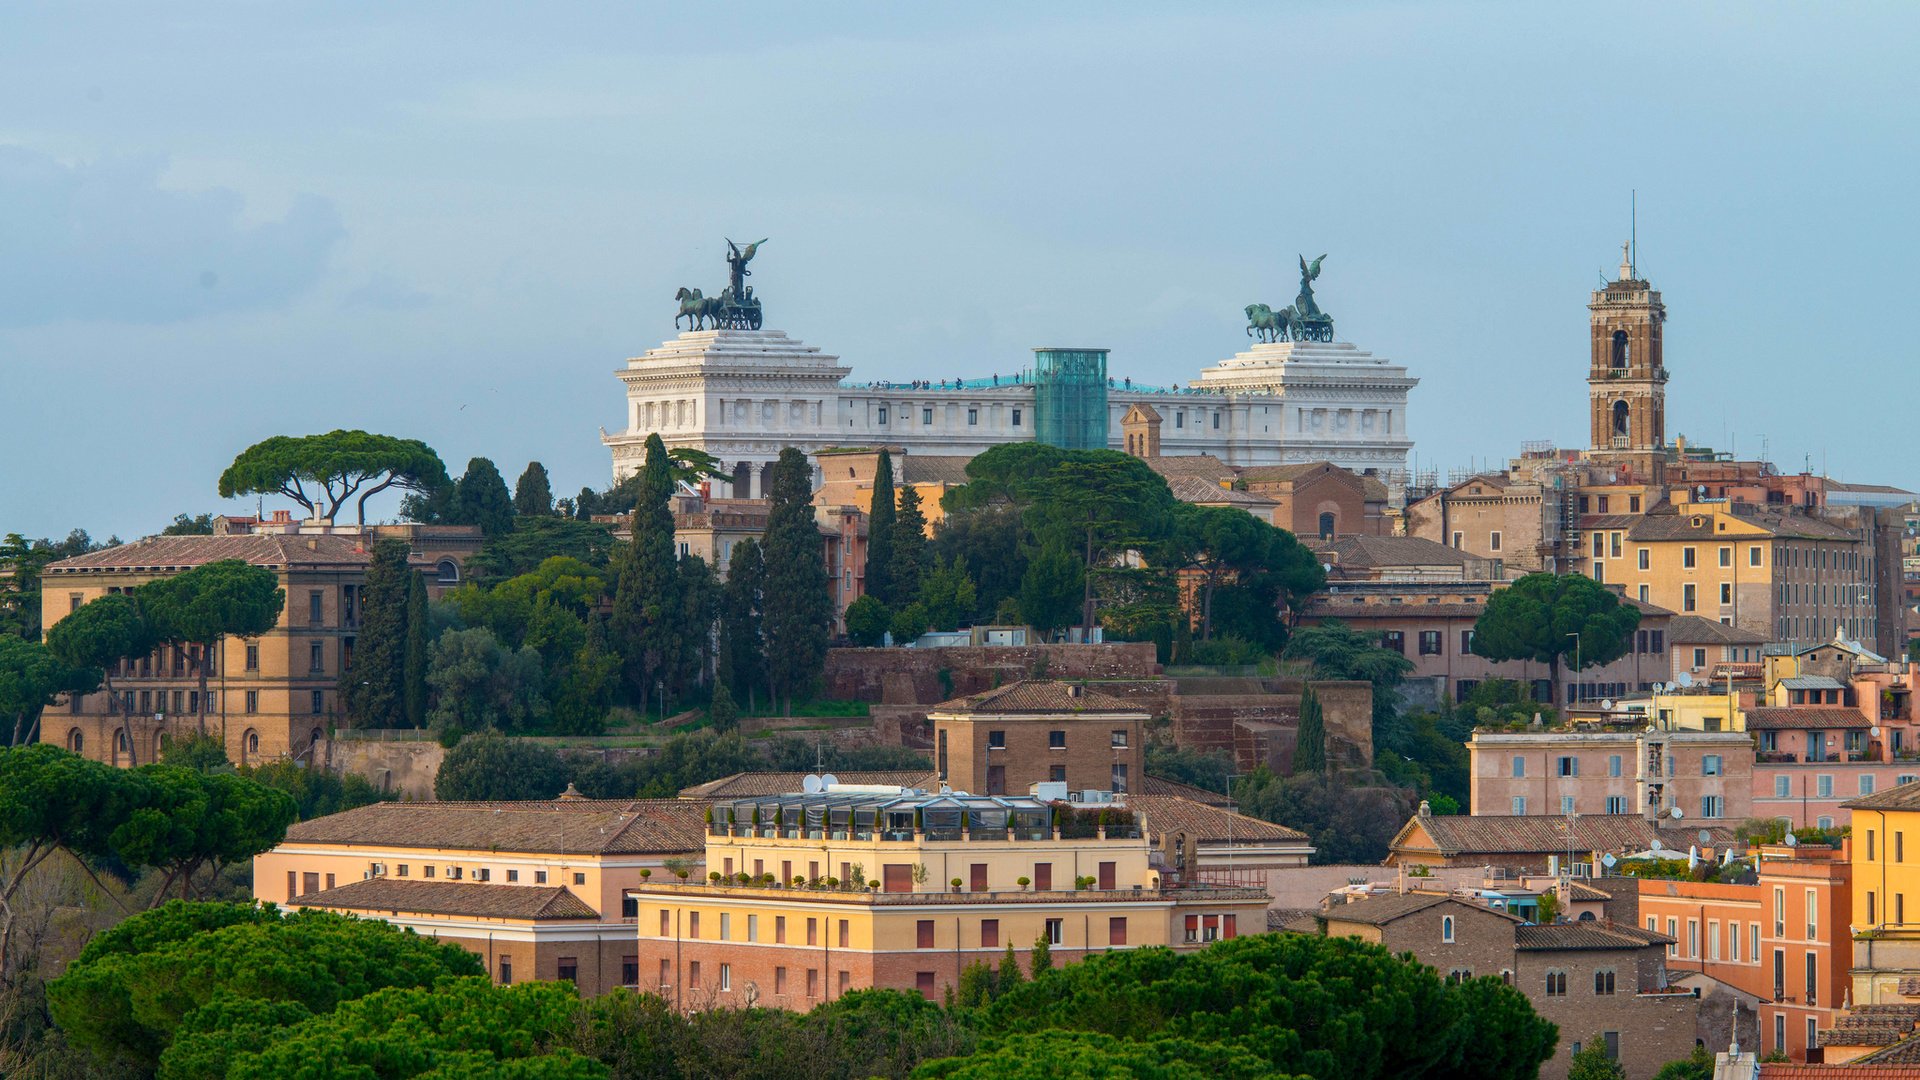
1548,618
31,677
797,609
532,494
321,472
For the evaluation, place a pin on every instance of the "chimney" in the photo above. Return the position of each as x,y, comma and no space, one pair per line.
313,543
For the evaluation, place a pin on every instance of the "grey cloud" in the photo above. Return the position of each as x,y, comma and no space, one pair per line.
102,241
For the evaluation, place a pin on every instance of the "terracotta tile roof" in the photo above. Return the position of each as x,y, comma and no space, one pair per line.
1561,937
1381,910
950,469
1673,525
1739,669
1903,1052
1194,489
1207,824
1857,1069
1294,920
183,552
1904,797
1393,551
1199,466
1692,629
1458,834
1580,891
1591,522
452,898
1874,1025
746,785
1037,696
569,827
1270,474
1805,718
1160,785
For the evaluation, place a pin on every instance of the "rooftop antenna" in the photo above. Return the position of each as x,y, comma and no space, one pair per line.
1633,230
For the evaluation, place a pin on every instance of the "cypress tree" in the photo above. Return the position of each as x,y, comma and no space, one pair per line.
533,495
798,609
646,616
415,666
480,498
908,563
742,652
373,690
1310,745
880,519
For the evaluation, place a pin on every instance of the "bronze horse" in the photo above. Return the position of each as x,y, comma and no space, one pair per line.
1266,324
696,309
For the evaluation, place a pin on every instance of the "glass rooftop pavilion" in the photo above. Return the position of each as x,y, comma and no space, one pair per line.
895,815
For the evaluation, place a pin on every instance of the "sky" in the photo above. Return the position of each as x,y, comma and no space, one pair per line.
453,221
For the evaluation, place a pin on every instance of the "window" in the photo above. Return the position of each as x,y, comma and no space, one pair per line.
1466,642
569,969
726,926
253,701
753,928
1813,922
926,416
1566,804
1613,764
1866,783
1599,545
313,607
1813,979
319,702
973,417
1042,876
1057,774
1782,787
579,878
1446,929
779,981
1712,806
1726,556
1689,557
1603,982
1117,930
923,934
726,977
1823,786
630,970
883,415
693,925
1710,765
1556,984
1753,556
1395,640
989,933
1519,805
1119,739
813,982
1613,545
1616,804
1726,592
1567,765
1016,418
845,935
506,971
1429,643
316,656
1602,505
1493,541
1753,940
1688,597
1645,559
1459,540
1056,740
1119,779
1519,766
923,981
1056,931
253,657
1693,937
539,877
996,740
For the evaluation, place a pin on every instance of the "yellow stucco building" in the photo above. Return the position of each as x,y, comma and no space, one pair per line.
1886,890
816,894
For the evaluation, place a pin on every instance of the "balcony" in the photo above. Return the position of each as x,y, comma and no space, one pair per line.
1775,757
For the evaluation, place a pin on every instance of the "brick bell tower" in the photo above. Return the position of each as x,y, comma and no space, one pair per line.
1627,385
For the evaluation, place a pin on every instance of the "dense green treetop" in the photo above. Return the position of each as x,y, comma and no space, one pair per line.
480,498
103,630
127,1001
1047,1055
532,494
321,472
1549,618
533,540
880,516
31,676
487,768
189,525
213,600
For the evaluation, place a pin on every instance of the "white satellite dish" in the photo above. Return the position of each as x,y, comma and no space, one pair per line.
1792,840
1677,813
1608,861
1706,838
1874,730
827,780
1686,678
811,784
1606,704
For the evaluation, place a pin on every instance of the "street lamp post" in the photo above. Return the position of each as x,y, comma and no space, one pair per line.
1575,635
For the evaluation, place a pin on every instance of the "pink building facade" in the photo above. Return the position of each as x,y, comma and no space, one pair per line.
1674,776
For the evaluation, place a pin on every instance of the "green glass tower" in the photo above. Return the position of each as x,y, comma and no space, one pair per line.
1070,398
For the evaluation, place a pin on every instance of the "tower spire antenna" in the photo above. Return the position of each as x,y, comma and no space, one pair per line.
1633,230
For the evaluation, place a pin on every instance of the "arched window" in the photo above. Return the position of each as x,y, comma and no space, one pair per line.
1603,982
120,741
448,572
1620,349
1446,929
76,741
1620,415
1556,983
249,746
1326,526
1586,916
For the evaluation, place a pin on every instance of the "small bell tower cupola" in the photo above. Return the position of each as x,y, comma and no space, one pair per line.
1627,382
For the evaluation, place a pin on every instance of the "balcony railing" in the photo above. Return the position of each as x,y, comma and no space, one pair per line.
1775,757
930,833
